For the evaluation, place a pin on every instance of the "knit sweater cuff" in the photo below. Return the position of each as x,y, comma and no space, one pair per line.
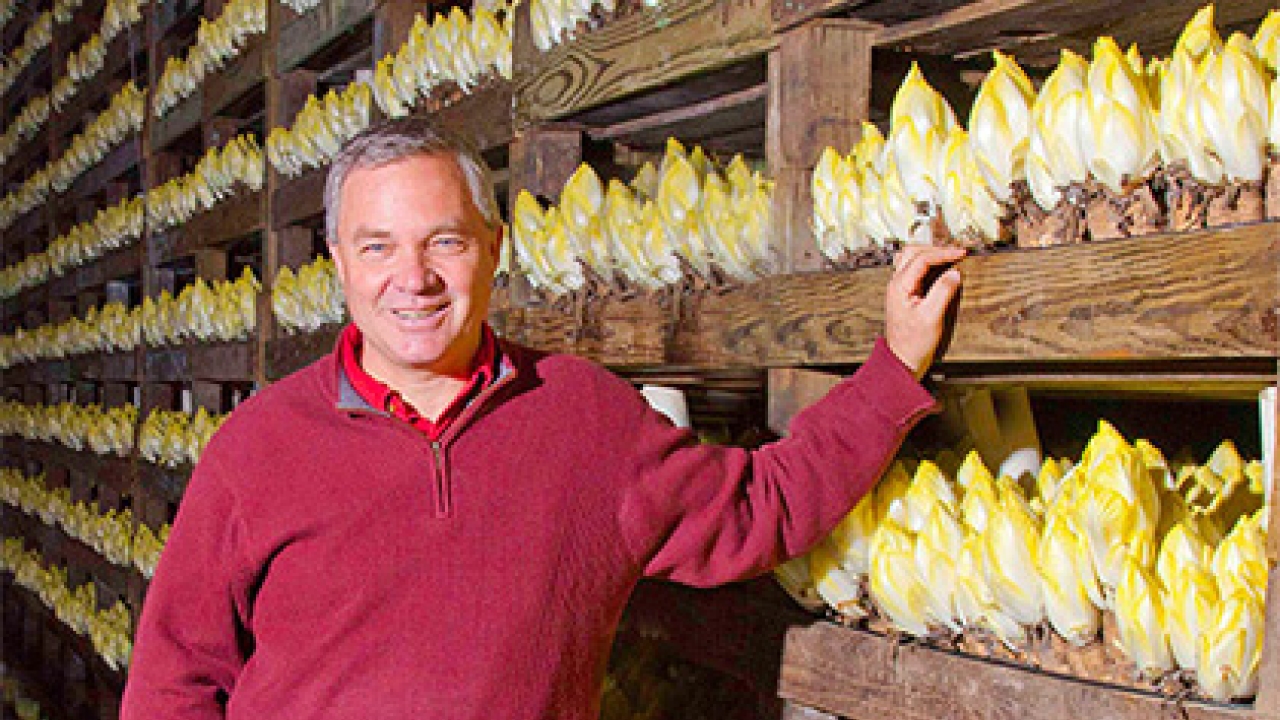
889,386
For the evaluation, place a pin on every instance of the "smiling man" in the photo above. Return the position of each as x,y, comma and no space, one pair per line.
433,522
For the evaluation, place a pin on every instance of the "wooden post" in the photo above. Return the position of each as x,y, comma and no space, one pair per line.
542,159
392,21
819,94
1267,704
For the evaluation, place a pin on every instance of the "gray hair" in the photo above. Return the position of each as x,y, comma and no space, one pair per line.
393,140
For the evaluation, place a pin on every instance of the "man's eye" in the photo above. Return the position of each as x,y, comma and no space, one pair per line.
448,244
373,248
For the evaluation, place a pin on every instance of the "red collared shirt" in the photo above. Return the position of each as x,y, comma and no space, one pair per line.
380,396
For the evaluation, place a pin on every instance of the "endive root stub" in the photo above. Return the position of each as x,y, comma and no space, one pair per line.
1273,188
1235,203
1133,214
1185,199
1065,225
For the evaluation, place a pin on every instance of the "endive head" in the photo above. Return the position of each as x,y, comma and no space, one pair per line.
1231,647
918,103
1140,619
1266,40
1000,124
1199,36
1190,603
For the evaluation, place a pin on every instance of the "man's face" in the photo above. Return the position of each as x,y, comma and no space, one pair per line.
416,261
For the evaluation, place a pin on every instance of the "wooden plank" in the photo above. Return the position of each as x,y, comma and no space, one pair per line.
707,118
122,159
300,198
794,389
233,218
290,354
167,483
1035,30
236,79
301,36
178,121
819,94
730,327
492,104
650,49
864,676
217,362
1210,294
117,264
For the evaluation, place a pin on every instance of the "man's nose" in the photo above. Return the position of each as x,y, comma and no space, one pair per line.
416,274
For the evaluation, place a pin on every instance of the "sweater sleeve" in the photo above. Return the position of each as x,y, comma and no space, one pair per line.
191,641
706,515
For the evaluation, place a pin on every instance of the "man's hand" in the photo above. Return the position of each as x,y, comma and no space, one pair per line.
914,309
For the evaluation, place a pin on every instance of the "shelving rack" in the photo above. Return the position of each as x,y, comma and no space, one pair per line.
1190,315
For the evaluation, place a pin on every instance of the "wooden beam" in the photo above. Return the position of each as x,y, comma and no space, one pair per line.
300,36
911,682
819,94
646,50
724,103
794,389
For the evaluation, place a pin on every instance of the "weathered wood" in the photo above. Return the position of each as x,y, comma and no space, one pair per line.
225,362
1035,30
119,263
864,676
178,121
1207,295
241,75
300,36
482,118
233,218
300,198
542,160
392,20
819,94
792,390
644,51
289,354
694,123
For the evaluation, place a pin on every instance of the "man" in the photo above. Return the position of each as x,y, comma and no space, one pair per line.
432,522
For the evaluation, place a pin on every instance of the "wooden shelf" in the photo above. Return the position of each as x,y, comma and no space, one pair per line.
106,367
217,362
292,353
117,264
111,679
653,48
110,470
302,36
168,483
492,102
756,634
230,219
241,75
179,120
300,198
1209,294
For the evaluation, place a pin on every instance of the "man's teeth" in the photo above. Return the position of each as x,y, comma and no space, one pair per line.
415,314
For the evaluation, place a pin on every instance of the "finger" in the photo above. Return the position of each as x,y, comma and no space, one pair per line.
917,265
943,291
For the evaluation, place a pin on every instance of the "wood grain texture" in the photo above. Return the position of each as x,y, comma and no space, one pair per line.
1199,295
218,362
302,35
178,121
1035,30
289,354
863,676
482,118
299,198
239,77
652,48
116,264
792,390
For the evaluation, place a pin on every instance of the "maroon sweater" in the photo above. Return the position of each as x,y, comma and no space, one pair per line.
329,561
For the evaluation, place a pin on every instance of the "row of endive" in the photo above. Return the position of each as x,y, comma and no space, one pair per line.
308,299
685,215
115,535
110,631
170,438
82,65
1111,147
122,118
224,310
217,42
218,175
1123,548
453,48
38,36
